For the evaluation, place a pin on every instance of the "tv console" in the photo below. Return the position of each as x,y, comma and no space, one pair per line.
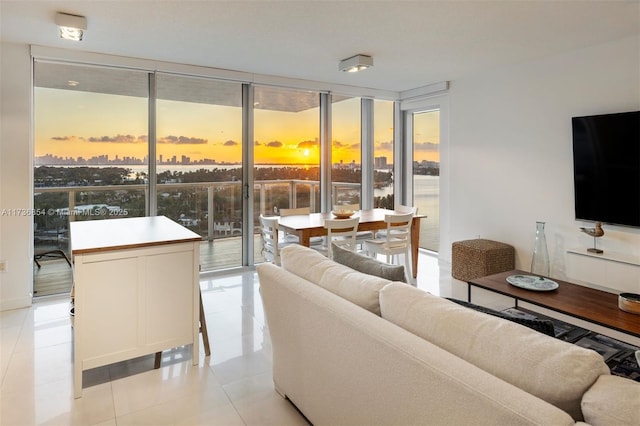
588,304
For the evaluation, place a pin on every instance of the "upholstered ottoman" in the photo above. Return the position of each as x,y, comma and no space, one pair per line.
479,258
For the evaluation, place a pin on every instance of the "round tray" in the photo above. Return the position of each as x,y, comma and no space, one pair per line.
532,282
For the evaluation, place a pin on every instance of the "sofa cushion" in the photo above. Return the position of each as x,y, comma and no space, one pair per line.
553,370
368,265
356,287
612,400
542,326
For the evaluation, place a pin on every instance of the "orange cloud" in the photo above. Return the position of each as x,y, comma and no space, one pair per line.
182,140
117,139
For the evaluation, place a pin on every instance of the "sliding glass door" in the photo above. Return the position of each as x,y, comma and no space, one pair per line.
383,154
346,152
286,150
199,163
91,157
426,175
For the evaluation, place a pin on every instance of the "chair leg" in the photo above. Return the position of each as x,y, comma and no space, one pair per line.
408,271
203,328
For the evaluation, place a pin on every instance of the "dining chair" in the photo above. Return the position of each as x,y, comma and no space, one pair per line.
400,209
361,236
298,210
290,238
341,232
270,244
395,241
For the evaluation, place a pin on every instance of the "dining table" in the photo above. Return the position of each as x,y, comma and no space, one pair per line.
305,226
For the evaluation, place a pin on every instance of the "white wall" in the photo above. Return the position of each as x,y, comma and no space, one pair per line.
15,176
510,154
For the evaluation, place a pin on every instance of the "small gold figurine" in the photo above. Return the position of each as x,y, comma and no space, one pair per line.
595,233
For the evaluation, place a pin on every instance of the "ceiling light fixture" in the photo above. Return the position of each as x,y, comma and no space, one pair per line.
356,63
71,26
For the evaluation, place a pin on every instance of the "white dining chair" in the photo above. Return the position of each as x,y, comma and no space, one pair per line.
341,232
395,241
399,209
361,236
270,243
290,238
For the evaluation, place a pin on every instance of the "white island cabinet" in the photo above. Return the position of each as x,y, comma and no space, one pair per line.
136,290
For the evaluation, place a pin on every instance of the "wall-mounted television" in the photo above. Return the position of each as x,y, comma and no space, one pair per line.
606,168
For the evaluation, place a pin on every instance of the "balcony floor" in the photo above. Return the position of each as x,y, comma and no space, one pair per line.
54,277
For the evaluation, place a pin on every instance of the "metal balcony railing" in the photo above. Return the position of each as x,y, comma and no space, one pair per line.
212,209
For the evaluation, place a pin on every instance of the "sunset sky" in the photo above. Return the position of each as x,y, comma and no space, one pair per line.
75,123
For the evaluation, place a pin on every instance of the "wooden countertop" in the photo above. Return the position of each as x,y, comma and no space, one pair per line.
126,233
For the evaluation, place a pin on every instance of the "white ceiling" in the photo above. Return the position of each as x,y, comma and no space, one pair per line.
413,43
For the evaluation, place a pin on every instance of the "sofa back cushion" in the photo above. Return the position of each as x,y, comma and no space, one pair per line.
368,265
553,370
357,287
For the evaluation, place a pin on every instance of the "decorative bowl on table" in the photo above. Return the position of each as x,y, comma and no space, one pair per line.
629,302
342,214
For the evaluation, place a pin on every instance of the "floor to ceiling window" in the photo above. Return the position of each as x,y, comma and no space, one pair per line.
122,142
199,162
346,170
383,153
286,149
90,148
426,175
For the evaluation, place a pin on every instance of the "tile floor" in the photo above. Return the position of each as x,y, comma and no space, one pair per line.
231,387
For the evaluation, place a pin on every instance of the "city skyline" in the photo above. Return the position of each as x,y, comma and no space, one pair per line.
104,160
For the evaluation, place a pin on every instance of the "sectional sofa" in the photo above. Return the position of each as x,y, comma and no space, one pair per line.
353,348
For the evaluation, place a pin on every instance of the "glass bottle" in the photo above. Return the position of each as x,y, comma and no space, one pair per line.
540,260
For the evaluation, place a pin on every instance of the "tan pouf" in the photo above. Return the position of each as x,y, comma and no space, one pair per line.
478,258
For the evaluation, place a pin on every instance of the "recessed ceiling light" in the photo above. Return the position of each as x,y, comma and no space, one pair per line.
71,26
356,63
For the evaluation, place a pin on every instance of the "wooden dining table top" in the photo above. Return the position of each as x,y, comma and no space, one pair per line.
312,225
316,220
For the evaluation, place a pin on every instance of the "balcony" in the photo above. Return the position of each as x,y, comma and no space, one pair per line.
211,209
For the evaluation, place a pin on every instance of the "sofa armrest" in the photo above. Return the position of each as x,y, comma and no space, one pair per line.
612,400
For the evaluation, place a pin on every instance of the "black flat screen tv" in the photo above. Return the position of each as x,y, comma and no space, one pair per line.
606,168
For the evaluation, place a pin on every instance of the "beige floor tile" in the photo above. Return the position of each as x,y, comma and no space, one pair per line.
8,340
259,404
13,317
169,383
39,367
53,404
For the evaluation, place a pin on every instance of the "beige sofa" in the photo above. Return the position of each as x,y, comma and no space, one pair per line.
351,348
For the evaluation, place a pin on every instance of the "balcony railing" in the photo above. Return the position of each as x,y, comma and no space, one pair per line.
212,209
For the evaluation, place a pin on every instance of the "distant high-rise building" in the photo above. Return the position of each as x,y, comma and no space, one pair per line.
380,162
